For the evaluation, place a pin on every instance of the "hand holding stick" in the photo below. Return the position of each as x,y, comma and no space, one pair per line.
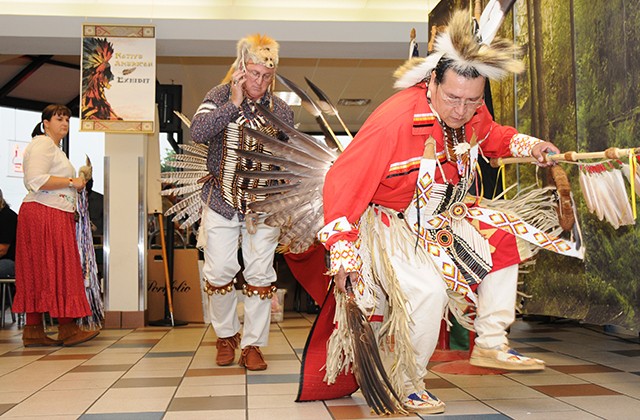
610,153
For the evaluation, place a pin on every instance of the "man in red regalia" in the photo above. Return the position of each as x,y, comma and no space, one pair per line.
403,233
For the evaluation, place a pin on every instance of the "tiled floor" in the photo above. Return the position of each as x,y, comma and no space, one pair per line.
170,373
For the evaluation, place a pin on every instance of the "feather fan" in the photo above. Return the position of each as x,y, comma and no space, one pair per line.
285,150
186,183
294,202
273,160
185,120
367,365
298,138
327,106
295,206
313,109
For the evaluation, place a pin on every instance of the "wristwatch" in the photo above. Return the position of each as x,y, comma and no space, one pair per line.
70,182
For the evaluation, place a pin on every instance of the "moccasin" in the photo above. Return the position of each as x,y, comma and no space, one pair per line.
423,402
227,350
252,359
504,358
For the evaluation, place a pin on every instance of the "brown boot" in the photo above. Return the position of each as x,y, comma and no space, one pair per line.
71,334
34,336
227,350
252,359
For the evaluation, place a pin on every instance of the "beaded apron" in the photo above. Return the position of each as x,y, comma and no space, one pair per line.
441,218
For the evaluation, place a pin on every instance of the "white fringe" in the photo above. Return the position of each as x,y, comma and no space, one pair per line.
535,206
471,236
340,344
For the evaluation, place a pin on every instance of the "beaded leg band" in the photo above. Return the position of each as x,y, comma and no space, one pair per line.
265,292
210,289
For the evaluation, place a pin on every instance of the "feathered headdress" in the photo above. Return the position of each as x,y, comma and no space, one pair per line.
96,55
460,44
260,49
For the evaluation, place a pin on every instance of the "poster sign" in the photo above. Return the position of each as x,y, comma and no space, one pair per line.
118,78
16,151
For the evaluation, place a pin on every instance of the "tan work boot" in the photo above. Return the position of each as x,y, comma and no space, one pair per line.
252,359
227,350
34,336
71,334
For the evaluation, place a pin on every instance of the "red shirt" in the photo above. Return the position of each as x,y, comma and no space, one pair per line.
381,164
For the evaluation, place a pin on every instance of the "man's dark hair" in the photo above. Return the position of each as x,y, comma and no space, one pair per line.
447,63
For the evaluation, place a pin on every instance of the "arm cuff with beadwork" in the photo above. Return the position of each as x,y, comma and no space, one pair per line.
342,255
520,145
337,230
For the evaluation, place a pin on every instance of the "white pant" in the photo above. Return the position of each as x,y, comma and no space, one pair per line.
496,307
422,287
221,266
427,298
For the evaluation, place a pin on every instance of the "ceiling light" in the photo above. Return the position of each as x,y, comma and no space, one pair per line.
289,97
354,102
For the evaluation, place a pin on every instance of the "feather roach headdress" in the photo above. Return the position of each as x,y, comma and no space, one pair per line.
260,49
469,53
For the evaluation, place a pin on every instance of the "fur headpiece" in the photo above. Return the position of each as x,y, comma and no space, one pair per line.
459,43
260,49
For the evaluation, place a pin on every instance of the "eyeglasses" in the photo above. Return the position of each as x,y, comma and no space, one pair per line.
456,102
259,77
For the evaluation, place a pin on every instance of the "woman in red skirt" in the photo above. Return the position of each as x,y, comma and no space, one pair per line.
48,272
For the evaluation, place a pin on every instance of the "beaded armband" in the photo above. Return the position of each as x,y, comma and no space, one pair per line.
337,226
520,145
342,255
